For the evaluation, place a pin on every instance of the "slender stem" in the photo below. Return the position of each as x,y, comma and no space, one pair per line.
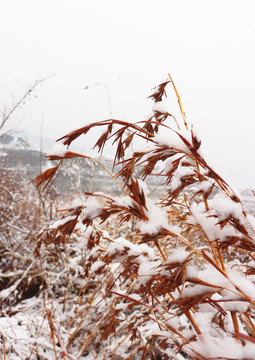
235,323
179,101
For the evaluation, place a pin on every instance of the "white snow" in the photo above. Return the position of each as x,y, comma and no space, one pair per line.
161,106
177,255
222,347
225,207
180,173
172,140
61,222
91,210
146,271
209,223
96,265
157,219
121,244
59,149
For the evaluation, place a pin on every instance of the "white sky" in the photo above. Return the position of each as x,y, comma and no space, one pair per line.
129,47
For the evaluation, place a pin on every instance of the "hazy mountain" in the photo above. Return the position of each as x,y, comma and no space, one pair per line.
82,175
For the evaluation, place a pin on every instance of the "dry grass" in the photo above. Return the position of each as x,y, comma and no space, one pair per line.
134,277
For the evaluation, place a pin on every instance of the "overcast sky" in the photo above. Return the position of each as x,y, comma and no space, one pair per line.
120,50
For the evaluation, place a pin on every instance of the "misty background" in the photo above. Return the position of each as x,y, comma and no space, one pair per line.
102,59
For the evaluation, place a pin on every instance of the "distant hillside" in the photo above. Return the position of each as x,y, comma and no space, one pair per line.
78,174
